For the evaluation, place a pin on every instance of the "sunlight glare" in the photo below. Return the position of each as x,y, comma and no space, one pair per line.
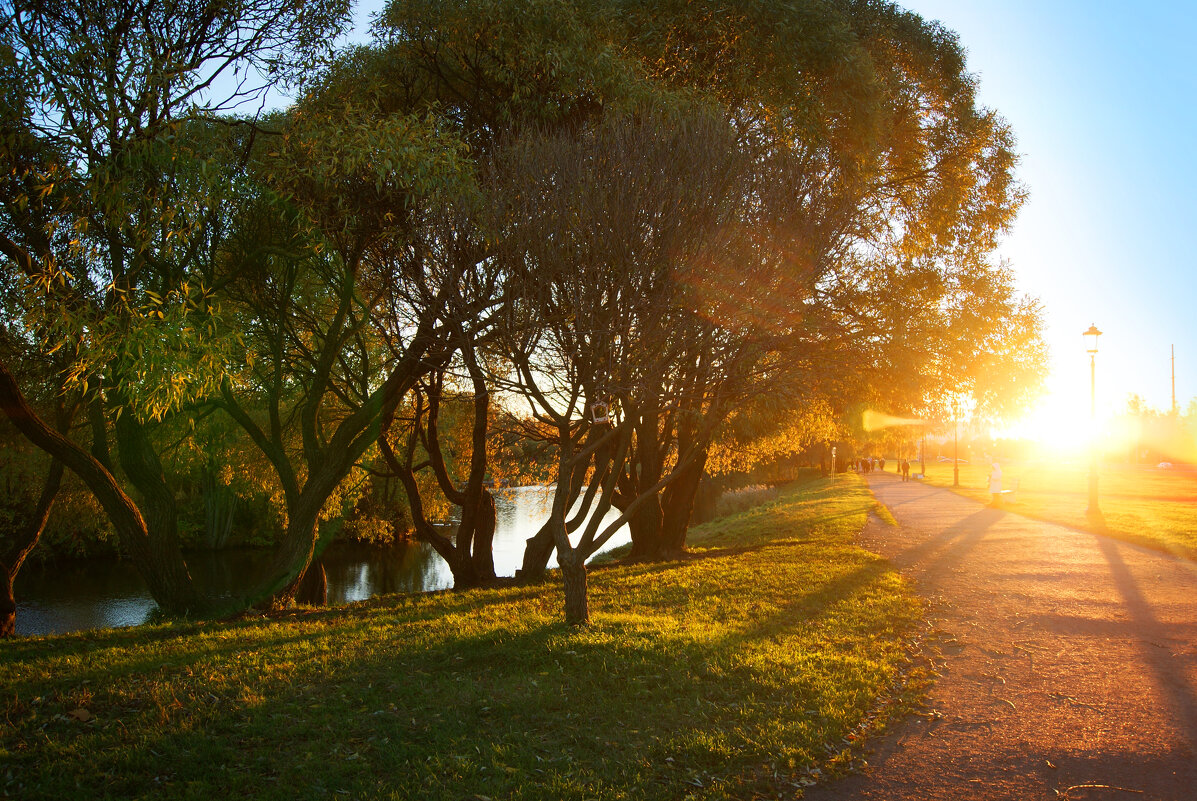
1056,423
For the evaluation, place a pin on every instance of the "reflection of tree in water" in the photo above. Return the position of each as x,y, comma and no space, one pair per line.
72,596
102,593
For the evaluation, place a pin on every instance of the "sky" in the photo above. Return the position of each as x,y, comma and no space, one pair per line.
1102,98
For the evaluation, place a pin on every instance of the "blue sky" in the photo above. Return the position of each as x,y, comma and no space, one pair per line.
1102,97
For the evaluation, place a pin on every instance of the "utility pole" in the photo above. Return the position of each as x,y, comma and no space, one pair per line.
1094,509
1173,380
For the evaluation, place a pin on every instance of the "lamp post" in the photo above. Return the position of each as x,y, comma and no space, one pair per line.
1091,338
955,452
923,456
955,442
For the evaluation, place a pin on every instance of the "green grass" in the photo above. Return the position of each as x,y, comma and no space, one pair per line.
1156,508
731,674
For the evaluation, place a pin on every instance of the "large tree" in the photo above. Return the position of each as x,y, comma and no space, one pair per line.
601,222
345,305
118,102
876,183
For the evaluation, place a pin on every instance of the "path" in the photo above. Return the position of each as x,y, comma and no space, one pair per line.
1068,660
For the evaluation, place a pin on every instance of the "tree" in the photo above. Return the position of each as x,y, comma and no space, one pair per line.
875,186
118,102
31,489
600,220
343,305
883,189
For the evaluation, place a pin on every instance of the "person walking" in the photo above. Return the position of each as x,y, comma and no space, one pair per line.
995,484
905,470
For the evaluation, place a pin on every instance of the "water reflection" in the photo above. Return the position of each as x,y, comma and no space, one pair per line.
101,593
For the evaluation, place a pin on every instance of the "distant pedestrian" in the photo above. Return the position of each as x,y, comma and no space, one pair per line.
995,484
905,470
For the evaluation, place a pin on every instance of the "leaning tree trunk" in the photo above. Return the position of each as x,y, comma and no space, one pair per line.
281,580
8,605
160,564
573,579
538,548
26,542
311,587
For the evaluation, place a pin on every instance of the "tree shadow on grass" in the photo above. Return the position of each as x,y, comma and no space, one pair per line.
350,705
586,715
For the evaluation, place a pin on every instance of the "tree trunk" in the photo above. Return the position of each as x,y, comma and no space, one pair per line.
538,549
312,587
280,583
165,569
8,606
644,472
220,506
645,525
678,504
484,537
706,500
26,542
540,546
160,565
573,579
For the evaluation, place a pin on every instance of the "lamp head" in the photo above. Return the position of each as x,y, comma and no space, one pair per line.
1091,338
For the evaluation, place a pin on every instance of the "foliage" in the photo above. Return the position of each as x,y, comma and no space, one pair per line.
768,430
119,95
752,683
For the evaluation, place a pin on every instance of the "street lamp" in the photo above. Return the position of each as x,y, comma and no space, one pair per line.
955,442
1091,340
923,457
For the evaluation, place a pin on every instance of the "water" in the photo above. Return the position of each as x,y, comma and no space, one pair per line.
103,593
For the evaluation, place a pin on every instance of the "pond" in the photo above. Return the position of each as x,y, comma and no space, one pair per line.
99,593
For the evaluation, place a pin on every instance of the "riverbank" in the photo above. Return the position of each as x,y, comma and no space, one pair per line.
59,598
738,671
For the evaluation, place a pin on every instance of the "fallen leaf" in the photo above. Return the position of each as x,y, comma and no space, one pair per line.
81,715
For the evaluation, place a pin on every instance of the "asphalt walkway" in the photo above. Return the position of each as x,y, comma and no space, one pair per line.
1068,660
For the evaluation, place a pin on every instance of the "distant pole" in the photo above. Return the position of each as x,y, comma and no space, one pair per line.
923,456
1173,380
955,452
1093,507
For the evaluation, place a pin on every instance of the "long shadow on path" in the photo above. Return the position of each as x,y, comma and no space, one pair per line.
1069,665
1177,693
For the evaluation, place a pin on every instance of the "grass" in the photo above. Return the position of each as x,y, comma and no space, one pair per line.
740,500
738,673
1156,508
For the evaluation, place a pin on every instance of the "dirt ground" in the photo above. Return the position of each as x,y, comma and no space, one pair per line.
1068,661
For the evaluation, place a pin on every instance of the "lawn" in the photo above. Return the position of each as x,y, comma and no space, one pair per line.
1152,507
740,672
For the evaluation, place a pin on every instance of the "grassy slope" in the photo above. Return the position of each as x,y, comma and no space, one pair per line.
1155,508
722,676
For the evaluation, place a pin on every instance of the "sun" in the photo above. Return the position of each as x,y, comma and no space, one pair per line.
1057,424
